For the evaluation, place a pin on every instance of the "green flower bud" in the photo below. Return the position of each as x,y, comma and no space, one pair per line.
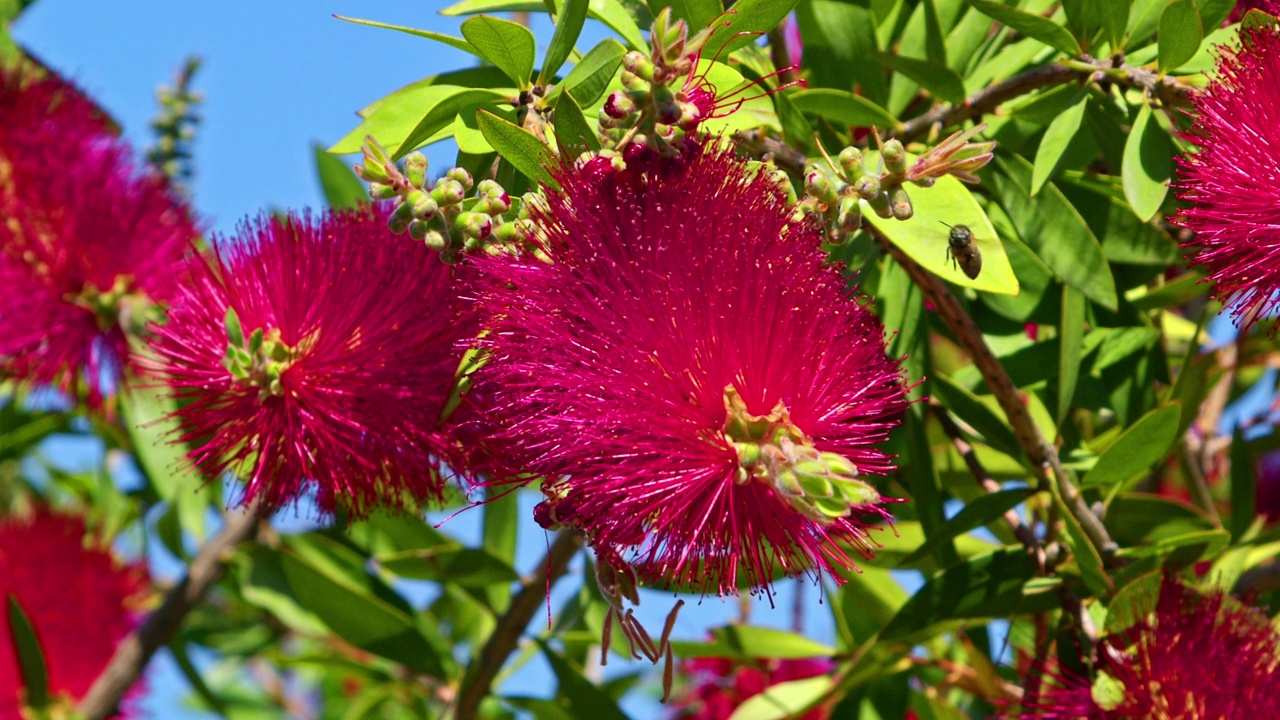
895,156
378,191
788,483
817,183
637,64
415,169
900,203
849,215
851,162
447,192
436,240
400,218
880,204
425,208
418,230
867,187
462,177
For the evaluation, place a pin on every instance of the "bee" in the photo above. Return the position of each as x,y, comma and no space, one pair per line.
962,250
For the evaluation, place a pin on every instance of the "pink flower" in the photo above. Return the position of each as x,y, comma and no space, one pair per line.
717,686
91,242
1232,181
1271,7
1267,485
333,368
80,600
1193,657
690,377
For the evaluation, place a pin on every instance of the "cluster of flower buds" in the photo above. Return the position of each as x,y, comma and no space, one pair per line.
833,190
123,305
655,109
175,126
447,216
256,361
822,486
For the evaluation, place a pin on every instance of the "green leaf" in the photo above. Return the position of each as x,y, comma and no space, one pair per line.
31,664
1051,227
750,20
784,700
358,615
748,642
148,416
518,146
1071,335
1244,488
1029,24
509,46
263,585
453,42
441,115
573,134
923,236
980,511
1181,31
1086,555
588,80
471,567
584,698
1134,452
1187,548
1057,138
977,415
1135,519
610,12
569,22
342,189
987,587
842,108
938,79
1147,165
697,13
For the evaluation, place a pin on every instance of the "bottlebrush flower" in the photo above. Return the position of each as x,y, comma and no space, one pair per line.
1204,657
89,245
1232,181
80,600
688,375
717,686
318,353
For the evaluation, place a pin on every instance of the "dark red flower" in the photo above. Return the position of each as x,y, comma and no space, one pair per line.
1271,7
717,686
90,241
690,377
1195,657
334,369
1232,181
80,600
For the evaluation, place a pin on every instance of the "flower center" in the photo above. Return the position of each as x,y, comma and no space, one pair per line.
822,486
122,304
259,360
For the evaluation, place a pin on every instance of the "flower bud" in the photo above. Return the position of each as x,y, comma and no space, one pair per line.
418,230
851,163
900,203
618,105
378,191
817,183
400,218
462,177
415,169
880,204
474,224
867,187
447,192
425,208
895,156
436,240
638,65
849,214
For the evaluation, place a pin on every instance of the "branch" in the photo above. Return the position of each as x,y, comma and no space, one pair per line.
135,651
1041,453
485,666
987,99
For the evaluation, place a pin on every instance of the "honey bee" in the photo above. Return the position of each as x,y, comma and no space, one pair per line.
962,250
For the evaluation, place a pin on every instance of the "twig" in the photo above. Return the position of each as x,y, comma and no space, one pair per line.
987,99
484,668
781,56
135,651
1038,450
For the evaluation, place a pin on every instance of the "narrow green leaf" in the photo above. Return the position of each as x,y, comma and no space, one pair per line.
342,189
843,108
922,479
569,22
1141,446
588,80
983,510
1147,165
573,134
585,700
1050,226
441,114
519,147
31,664
472,567
1087,557
938,79
1057,138
697,13
935,46
980,589
453,42
1244,499
751,19
1029,24
359,617
1071,335
610,12
509,46
1181,31
784,700
1135,519
746,642
966,406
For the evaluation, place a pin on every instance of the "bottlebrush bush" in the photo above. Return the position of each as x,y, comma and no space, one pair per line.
894,313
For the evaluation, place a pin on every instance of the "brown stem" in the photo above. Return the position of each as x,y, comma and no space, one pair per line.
485,666
787,73
135,651
1041,453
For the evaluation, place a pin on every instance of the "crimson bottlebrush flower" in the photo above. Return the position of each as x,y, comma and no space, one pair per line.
90,242
692,380
1271,7
1232,180
318,353
717,686
1193,657
80,600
